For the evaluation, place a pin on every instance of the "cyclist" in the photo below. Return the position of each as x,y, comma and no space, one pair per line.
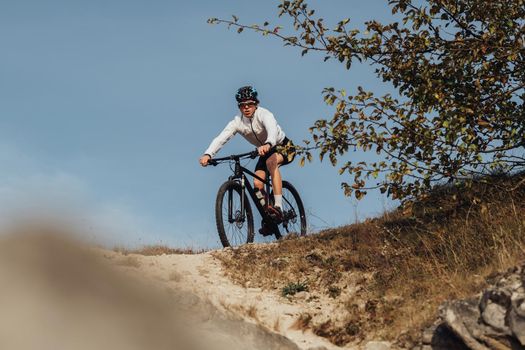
259,127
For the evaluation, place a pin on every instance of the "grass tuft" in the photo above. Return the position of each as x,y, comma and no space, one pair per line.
293,288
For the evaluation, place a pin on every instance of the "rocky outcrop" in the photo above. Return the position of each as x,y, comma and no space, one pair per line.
494,320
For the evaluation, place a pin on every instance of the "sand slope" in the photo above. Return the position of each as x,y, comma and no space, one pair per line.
58,294
201,275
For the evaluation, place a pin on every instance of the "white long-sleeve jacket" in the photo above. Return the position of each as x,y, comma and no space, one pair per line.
260,129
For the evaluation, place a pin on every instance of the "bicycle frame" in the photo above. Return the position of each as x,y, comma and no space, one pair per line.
234,211
239,174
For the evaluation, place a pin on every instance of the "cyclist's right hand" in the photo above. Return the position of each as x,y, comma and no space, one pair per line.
204,160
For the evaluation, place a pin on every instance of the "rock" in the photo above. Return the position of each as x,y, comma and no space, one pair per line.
439,337
422,347
516,322
456,317
318,348
520,310
428,334
377,345
494,316
495,319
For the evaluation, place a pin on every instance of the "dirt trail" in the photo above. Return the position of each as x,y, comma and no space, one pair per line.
60,294
201,275
66,294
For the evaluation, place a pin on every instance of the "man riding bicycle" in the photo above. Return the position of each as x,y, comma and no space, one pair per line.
259,127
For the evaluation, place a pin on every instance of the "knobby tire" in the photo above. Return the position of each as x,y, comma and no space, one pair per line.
237,232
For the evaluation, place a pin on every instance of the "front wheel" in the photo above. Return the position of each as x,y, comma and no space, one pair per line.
294,217
234,221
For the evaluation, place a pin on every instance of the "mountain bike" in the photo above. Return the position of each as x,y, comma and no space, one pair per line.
233,212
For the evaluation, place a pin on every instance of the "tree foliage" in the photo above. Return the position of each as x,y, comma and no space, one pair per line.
457,72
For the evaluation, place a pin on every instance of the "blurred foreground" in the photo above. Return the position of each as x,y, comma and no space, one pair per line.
56,293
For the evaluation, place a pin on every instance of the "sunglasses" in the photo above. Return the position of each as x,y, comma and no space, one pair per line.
246,104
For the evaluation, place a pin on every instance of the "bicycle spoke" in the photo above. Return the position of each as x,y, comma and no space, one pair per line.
233,229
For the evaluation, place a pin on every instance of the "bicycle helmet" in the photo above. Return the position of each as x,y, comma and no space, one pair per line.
246,93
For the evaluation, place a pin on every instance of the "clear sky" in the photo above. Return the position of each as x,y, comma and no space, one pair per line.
106,106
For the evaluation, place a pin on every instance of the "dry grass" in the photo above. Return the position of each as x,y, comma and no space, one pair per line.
406,262
249,310
303,322
154,250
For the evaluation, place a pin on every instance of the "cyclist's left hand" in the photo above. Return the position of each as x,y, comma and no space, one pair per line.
264,149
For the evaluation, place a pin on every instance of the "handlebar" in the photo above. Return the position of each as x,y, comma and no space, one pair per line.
235,157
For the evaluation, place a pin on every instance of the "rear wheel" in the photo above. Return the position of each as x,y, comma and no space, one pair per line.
294,217
234,226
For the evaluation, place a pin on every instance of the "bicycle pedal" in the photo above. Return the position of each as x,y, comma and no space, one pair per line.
276,214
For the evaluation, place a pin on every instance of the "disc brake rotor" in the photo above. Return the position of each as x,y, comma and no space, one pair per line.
239,222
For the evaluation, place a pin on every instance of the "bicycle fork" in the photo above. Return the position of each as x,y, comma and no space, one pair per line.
243,190
239,215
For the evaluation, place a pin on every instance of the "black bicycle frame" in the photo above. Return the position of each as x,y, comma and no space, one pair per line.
239,173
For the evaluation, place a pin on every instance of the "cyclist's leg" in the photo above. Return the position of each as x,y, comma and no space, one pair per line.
260,170
272,163
267,228
256,183
280,155
277,157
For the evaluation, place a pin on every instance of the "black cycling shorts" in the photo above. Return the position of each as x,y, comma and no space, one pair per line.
286,149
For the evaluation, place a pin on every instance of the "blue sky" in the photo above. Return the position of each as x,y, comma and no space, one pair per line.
106,106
